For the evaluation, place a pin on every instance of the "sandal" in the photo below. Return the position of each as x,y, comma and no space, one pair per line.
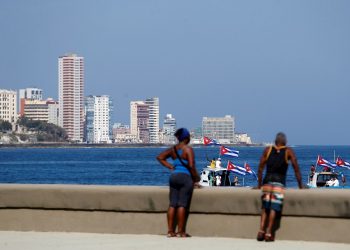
269,238
183,235
260,236
171,234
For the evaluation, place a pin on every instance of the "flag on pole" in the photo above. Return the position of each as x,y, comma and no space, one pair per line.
229,152
249,170
207,141
324,163
342,163
236,169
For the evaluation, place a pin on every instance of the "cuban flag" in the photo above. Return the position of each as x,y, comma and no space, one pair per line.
229,152
324,163
207,141
249,170
343,164
236,169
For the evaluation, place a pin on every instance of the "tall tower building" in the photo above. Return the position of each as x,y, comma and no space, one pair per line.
134,117
98,111
153,122
8,105
71,95
169,128
219,128
144,120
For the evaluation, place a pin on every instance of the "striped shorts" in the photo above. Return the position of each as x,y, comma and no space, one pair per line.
272,196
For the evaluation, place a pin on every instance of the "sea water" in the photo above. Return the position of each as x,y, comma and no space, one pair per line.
134,166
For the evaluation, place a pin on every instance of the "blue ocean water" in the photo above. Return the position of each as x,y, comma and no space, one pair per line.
131,166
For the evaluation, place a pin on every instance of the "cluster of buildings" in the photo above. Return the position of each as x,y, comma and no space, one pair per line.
89,118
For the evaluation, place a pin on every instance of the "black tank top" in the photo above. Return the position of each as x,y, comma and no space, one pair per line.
276,165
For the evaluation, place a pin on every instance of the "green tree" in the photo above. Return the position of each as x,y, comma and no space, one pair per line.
5,126
46,131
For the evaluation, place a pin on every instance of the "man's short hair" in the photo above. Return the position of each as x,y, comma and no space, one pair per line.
281,139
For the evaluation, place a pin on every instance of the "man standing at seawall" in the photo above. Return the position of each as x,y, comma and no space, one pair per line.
276,159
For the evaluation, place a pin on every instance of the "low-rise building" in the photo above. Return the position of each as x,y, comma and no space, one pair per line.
28,94
243,138
221,129
35,110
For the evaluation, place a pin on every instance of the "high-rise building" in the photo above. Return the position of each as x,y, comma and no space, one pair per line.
134,117
71,95
98,111
220,128
8,105
144,120
29,94
153,122
169,128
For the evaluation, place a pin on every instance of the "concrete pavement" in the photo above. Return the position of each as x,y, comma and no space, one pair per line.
87,241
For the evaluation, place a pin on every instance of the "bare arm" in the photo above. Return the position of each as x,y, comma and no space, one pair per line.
295,165
162,158
191,163
261,167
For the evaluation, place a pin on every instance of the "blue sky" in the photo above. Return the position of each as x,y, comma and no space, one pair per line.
274,65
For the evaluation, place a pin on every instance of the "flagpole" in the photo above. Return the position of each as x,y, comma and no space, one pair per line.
246,172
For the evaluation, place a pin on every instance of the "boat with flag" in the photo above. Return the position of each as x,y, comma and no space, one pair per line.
331,174
230,175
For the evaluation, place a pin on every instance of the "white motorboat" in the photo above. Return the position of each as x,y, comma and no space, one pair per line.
321,179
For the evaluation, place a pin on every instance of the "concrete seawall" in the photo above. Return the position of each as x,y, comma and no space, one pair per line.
311,215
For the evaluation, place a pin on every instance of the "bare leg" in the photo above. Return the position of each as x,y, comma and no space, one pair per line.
263,220
261,233
171,217
272,217
181,219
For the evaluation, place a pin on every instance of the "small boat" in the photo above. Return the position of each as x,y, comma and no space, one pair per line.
215,177
322,179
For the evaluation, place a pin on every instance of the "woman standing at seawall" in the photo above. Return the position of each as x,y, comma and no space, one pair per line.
182,180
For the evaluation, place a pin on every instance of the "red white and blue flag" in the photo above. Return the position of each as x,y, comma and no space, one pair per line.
324,163
228,151
208,141
342,163
249,170
236,169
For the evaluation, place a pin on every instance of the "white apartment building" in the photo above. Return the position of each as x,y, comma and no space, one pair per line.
53,111
243,138
31,93
169,128
134,106
153,122
144,120
98,119
71,95
8,105
220,128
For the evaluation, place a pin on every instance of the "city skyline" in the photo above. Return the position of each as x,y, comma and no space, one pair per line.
277,67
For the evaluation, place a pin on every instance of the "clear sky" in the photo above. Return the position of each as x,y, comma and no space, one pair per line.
274,65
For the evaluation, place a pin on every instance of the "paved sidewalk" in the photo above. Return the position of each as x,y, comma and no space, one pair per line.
79,241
